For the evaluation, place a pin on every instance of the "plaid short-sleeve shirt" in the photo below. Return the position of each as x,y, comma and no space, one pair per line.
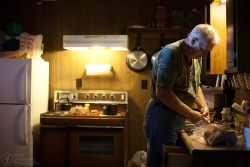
173,70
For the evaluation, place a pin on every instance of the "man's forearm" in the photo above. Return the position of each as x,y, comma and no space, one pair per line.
200,100
169,98
201,103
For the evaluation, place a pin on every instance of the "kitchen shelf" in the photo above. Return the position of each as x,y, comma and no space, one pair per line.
156,32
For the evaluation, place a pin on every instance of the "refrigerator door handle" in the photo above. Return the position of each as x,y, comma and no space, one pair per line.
26,84
25,125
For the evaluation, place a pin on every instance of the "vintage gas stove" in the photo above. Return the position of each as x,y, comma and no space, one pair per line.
89,137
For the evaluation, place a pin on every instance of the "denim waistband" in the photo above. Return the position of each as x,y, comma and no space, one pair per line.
163,106
155,102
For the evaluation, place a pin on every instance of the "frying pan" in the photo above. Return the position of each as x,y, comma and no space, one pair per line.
158,50
138,58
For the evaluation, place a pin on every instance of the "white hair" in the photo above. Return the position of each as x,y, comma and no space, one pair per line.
206,33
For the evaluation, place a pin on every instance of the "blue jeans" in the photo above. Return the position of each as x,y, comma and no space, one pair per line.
161,126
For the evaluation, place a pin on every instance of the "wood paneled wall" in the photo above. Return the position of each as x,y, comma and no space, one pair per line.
219,53
66,66
62,17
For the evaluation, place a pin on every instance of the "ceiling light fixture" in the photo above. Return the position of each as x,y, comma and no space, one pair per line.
222,1
39,2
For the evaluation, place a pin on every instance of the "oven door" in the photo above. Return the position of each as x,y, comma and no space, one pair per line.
95,146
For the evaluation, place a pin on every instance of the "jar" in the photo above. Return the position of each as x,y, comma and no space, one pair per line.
178,18
161,16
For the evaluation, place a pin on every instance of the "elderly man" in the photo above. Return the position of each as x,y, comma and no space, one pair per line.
175,90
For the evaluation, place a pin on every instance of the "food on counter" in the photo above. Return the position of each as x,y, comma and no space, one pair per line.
219,136
15,54
214,138
231,138
78,110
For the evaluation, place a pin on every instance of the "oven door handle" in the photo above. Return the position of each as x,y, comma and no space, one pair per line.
90,126
53,126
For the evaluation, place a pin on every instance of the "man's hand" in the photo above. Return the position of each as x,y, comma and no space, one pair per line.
205,112
195,116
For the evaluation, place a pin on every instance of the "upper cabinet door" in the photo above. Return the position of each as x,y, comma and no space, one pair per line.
218,55
238,34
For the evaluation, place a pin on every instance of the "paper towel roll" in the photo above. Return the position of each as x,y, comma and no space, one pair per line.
98,69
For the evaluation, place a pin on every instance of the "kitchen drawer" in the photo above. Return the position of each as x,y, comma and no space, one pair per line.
176,157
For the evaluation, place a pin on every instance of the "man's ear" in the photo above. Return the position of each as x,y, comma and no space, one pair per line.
194,40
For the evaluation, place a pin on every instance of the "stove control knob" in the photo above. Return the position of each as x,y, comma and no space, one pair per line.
95,96
87,96
104,96
74,96
112,97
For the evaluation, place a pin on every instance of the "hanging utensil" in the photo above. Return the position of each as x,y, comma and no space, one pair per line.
153,57
138,58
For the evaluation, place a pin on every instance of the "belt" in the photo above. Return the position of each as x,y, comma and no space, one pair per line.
155,102
161,105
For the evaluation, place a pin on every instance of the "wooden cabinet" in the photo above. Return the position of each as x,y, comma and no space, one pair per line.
156,32
218,56
53,146
238,35
150,38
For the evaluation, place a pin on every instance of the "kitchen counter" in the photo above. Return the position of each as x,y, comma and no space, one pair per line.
87,119
196,147
226,155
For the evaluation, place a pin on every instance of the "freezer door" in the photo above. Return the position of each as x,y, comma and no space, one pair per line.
15,81
16,142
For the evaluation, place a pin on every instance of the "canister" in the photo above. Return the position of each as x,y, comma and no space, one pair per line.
178,17
161,16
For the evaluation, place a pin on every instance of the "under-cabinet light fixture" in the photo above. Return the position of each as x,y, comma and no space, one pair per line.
222,1
39,2
98,69
83,42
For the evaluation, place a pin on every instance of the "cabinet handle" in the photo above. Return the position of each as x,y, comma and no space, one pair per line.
25,125
26,84
87,126
53,126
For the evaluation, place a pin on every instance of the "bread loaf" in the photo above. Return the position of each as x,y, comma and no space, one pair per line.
218,136
231,138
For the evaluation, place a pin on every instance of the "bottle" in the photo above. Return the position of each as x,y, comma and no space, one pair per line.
228,90
226,114
161,16
87,107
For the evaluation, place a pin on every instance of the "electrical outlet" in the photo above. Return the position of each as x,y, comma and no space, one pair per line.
144,84
78,83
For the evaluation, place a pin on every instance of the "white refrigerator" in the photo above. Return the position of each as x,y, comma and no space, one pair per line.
24,89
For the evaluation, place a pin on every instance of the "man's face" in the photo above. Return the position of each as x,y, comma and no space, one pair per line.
201,49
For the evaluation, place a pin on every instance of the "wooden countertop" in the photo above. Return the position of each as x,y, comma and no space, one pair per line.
90,119
196,147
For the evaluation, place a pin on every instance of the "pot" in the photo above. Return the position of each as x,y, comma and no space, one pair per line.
63,106
153,57
110,109
138,58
